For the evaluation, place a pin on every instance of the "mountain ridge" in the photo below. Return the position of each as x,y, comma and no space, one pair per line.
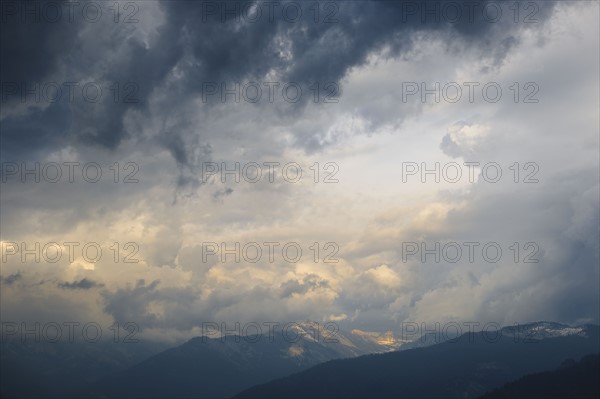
466,367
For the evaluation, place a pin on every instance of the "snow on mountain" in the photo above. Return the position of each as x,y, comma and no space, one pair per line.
543,330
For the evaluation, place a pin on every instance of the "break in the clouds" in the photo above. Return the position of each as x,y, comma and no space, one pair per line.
372,53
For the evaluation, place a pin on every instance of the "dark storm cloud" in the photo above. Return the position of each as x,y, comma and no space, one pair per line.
131,303
32,51
202,49
11,279
325,51
222,193
43,52
308,283
83,284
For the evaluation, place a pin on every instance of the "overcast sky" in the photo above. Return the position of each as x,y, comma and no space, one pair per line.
162,118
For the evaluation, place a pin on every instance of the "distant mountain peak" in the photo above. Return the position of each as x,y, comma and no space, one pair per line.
384,339
545,329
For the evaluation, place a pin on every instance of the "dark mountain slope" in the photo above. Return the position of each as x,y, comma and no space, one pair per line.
574,380
465,368
221,367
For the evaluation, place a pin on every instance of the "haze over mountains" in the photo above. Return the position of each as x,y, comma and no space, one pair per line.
306,362
221,367
211,366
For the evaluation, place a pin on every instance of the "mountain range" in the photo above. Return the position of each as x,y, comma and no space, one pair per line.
221,367
465,367
303,363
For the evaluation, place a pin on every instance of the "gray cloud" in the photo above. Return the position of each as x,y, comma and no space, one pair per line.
83,284
170,132
109,53
11,279
309,282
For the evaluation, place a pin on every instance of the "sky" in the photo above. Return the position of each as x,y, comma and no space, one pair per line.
122,125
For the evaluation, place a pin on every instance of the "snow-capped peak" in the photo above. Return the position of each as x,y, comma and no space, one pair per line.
544,329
